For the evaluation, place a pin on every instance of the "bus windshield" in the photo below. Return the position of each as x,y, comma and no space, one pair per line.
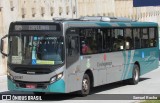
36,50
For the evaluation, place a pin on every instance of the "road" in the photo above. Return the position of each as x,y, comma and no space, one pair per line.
149,84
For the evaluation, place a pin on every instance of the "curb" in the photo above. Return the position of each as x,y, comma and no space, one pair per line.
3,78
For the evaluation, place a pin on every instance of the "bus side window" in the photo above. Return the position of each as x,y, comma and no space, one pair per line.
136,36
89,41
107,40
144,38
128,39
152,38
118,39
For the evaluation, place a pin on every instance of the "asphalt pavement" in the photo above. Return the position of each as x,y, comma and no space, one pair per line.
149,84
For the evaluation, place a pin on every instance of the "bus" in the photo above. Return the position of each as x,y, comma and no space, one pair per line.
68,55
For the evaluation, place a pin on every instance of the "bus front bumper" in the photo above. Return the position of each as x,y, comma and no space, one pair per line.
56,87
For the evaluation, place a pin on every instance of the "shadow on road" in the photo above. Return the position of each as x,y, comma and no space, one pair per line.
74,96
113,86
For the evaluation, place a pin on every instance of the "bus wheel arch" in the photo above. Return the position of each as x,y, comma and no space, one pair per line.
87,83
90,74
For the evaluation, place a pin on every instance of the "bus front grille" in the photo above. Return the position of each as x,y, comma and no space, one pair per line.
24,70
39,85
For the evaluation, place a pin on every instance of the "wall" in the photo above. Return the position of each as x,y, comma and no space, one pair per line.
16,10
13,10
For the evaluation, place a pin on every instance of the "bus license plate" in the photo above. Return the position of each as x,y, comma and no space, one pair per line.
31,86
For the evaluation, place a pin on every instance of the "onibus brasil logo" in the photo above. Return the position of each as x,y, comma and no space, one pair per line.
21,98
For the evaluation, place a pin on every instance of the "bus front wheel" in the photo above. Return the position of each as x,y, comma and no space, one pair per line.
135,75
85,86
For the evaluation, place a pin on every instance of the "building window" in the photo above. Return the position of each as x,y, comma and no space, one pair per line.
1,6
12,5
33,12
74,9
23,12
60,10
52,11
67,10
42,11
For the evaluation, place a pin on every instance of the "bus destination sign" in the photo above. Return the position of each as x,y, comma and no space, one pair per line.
35,27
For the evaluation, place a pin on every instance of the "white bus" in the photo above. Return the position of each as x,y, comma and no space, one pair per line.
67,55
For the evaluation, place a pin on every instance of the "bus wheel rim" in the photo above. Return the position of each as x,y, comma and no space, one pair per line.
136,74
85,85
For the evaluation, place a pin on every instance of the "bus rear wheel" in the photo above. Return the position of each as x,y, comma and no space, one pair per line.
85,85
135,75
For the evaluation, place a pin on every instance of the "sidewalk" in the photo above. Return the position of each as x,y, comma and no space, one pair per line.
3,78
3,83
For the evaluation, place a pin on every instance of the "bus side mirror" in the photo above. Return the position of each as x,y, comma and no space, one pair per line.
2,45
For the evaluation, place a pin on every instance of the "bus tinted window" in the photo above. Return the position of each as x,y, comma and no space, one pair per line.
15,43
89,38
128,39
136,36
144,38
72,45
107,40
36,50
152,38
117,39
99,40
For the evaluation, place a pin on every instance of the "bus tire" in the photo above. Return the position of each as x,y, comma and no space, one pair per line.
85,86
39,93
135,75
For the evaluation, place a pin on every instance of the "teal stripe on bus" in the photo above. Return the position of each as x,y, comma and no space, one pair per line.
57,87
124,56
112,24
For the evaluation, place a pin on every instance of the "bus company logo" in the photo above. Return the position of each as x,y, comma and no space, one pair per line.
6,97
21,98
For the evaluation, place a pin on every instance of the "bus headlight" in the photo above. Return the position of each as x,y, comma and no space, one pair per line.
56,77
59,76
10,76
53,79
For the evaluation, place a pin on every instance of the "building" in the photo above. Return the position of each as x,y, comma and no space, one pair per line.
13,10
96,8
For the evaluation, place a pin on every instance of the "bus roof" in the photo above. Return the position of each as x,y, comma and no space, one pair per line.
110,24
93,22
32,21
